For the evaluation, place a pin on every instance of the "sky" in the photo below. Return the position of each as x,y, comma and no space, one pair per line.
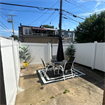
35,17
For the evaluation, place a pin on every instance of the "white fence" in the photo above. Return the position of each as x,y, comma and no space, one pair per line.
11,68
91,54
43,51
88,54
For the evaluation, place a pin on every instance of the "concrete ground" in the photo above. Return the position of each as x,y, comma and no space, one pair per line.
84,90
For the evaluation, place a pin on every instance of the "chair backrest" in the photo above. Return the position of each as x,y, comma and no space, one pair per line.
54,57
71,59
69,64
43,62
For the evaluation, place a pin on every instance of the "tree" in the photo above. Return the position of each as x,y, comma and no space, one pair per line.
48,26
92,29
15,37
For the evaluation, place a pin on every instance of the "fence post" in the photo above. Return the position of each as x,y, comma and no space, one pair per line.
104,97
94,54
49,52
12,39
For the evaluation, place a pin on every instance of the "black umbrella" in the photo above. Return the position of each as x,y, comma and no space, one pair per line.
60,54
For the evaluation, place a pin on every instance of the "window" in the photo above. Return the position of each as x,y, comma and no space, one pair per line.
69,34
27,31
62,33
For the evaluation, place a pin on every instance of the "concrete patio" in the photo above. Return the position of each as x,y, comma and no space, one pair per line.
84,90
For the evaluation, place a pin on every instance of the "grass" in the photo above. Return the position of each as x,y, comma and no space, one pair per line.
65,91
43,100
51,97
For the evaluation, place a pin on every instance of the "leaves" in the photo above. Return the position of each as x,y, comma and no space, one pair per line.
70,51
24,54
92,29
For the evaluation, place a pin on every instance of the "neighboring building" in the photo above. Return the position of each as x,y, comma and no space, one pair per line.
68,36
41,34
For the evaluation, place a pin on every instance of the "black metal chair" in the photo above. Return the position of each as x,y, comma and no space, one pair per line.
67,66
47,67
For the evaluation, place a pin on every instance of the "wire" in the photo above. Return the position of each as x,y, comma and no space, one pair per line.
54,18
75,7
6,26
3,17
21,10
70,18
64,24
43,14
41,8
87,9
6,19
48,18
95,1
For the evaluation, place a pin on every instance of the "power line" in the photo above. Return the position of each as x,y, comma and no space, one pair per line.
48,18
6,19
41,8
95,1
70,18
75,7
54,18
3,17
21,10
6,26
43,14
64,24
87,9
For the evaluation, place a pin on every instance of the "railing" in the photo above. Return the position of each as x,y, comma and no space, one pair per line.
39,34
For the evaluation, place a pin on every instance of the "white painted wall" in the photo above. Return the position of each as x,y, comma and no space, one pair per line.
11,68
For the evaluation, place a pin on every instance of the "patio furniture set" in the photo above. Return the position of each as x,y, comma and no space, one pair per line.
59,67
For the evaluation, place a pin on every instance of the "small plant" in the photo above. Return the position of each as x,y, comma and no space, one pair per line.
24,54
65,91
43,100
70,51
51,97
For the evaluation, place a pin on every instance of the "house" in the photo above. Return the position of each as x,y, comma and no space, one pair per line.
41,34
68,36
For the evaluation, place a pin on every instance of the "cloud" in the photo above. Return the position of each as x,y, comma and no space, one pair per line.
98,3
89,13
16,32
82,1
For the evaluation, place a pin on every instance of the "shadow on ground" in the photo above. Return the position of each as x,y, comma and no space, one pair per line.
95,77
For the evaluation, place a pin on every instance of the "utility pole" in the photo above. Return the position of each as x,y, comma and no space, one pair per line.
60,19
11,21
